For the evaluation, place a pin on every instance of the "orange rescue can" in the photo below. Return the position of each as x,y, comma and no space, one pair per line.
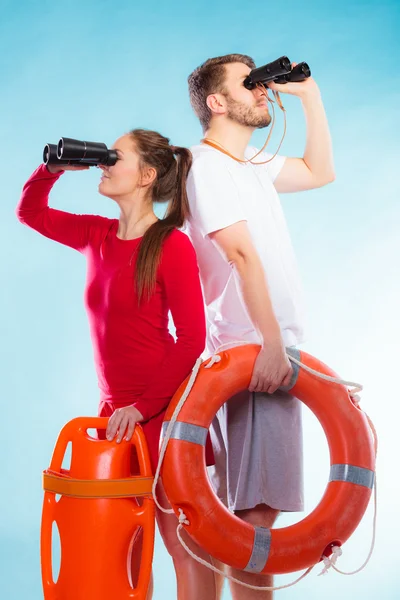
99,516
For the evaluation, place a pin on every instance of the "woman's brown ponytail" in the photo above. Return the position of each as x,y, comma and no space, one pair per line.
170,185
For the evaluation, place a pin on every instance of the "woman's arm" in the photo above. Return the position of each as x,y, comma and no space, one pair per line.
66,228
180,275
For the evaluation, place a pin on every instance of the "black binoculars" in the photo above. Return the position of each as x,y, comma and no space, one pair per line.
278,71
75,152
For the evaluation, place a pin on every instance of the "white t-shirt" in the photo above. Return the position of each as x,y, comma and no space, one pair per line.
222,192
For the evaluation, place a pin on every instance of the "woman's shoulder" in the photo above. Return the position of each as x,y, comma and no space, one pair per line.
177,240
103,222
177,248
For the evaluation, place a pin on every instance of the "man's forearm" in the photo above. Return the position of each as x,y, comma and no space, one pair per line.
255,294
318,154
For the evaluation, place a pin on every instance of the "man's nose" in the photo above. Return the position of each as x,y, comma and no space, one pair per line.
259,92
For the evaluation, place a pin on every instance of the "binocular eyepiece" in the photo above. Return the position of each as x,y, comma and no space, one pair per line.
278,71
76,152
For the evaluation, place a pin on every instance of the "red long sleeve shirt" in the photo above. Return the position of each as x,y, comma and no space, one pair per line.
137,360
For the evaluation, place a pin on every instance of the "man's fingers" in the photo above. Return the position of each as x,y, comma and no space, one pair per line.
288,378
253,384
263,385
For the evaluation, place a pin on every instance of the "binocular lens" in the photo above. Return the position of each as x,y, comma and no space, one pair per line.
49,152
75,152
268,72
87,153
50,157
69,148
305,70
284,63
299,73
279,71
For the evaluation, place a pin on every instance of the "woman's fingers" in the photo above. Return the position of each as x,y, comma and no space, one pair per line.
122,427
130,430
121,423
113,424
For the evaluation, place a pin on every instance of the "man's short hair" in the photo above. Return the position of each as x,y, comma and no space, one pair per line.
208,79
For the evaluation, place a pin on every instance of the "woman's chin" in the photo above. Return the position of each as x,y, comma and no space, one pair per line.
103,189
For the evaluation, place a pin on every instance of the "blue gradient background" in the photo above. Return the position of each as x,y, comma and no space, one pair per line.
92,70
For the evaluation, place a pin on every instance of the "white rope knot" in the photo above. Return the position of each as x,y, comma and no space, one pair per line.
330,561
355,398
214,359
182,518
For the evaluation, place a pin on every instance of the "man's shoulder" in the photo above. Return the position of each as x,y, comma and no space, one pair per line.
206,155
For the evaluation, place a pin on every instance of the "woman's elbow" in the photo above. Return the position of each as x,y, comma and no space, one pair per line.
20,215
195,345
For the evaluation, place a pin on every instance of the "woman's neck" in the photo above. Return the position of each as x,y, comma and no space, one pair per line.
135,219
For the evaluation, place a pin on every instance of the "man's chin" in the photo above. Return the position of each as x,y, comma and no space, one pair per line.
264,124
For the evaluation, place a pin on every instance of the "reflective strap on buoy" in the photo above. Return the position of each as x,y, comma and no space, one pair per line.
187,432
260,553
59,483
352,474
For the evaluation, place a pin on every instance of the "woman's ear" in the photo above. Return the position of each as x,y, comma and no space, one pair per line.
148,176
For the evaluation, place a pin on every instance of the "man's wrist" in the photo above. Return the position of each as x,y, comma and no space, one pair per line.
310,96
272,338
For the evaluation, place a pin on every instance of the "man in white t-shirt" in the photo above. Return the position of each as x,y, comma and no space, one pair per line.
251,286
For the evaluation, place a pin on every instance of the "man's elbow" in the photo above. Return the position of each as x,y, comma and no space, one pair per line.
330,178
324,179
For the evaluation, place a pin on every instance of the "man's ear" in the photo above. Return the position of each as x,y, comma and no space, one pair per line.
216,103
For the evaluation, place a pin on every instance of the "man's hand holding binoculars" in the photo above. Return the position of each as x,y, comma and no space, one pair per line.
303,88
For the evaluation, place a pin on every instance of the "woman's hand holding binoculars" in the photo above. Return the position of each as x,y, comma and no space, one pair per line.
59,168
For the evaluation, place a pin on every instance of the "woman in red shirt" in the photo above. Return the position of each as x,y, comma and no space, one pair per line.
139,268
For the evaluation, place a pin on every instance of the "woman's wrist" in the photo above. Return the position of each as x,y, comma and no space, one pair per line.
140,416
54,169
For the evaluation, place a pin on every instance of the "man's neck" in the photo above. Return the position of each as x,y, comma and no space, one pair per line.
233,137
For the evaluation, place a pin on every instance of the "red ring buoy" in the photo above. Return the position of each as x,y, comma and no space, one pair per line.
220,532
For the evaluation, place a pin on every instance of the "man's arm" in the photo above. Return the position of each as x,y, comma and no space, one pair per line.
272,367
316,167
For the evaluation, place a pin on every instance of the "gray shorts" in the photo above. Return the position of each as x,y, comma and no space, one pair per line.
257,442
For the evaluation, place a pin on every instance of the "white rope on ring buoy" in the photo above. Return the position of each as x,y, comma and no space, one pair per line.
329,562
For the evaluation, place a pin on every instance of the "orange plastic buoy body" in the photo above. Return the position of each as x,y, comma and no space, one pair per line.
98,516
221,533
